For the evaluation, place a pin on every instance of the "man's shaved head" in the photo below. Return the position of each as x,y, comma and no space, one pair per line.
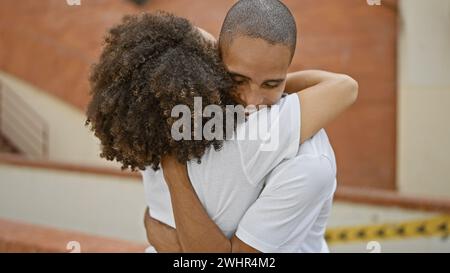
269,20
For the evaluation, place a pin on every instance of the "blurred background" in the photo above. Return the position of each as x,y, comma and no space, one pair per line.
57,194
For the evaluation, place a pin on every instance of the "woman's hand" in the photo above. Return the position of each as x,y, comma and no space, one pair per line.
208,36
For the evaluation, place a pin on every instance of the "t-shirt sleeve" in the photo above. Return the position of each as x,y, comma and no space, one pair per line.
269,136
284,213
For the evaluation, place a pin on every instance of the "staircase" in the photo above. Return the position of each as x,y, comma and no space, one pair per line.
22,129
7,147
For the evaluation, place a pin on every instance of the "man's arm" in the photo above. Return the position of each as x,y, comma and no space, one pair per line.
196,231
165,238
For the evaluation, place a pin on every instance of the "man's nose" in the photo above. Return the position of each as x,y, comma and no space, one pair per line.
252,96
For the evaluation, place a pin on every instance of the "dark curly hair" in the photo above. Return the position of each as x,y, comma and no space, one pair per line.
151,63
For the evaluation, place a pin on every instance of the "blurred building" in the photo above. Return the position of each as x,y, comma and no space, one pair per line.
391,146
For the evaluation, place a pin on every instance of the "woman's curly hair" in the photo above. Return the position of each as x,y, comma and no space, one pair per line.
151,63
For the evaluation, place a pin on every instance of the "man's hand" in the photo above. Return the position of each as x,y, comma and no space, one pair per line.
161,236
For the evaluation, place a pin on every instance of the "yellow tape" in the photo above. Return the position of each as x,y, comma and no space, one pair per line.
436,226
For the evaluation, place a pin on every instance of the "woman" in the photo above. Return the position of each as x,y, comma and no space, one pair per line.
149,65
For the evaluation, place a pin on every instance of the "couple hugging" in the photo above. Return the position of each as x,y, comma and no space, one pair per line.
221,194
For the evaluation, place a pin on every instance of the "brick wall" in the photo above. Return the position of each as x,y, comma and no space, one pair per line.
52,45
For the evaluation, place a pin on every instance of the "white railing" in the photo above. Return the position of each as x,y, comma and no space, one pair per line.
22,125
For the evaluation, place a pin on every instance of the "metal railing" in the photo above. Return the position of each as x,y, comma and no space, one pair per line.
22,125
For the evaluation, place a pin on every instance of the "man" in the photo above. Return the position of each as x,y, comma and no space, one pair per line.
257,43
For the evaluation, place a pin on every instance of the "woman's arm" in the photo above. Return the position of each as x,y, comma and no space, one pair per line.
323,96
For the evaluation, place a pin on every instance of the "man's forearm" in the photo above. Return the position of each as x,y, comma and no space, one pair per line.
196,231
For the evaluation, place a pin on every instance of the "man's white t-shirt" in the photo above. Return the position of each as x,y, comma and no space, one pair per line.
229,181
291,213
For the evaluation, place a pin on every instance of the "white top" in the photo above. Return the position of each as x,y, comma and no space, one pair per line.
291,213
229,181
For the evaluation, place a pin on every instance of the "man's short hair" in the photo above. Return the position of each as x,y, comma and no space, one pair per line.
269,20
